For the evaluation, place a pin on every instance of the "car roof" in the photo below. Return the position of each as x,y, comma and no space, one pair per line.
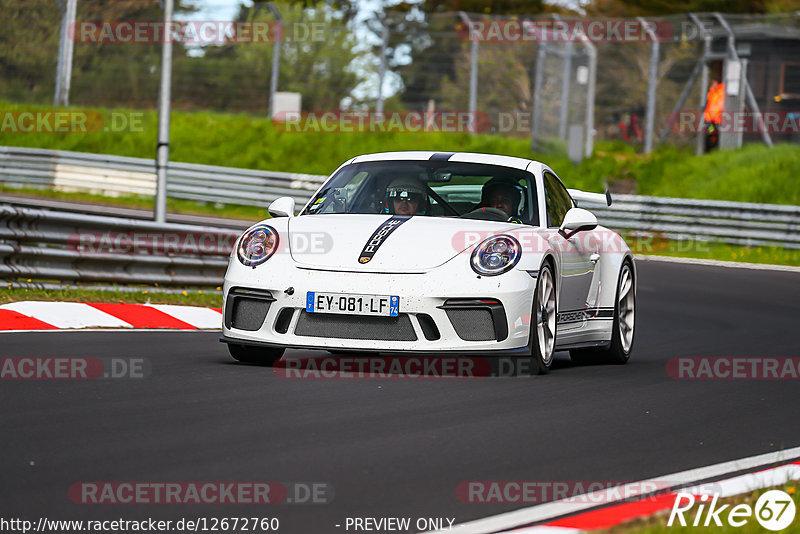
462,157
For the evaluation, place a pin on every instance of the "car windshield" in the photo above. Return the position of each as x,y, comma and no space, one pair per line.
431,189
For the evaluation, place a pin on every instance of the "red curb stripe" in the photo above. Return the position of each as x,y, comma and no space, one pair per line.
11,320
142,316
217,310
614,515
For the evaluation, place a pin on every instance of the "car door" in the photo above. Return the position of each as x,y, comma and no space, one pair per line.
577,256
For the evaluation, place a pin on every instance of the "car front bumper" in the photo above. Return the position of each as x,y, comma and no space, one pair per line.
464,307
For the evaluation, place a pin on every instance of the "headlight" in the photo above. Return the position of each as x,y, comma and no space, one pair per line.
496,255
257,245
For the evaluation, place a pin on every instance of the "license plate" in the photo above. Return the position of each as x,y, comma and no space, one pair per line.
384,305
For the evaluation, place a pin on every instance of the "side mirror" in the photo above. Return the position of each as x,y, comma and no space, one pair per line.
578,220
282,207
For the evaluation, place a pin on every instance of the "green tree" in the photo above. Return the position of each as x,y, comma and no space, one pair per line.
102,73
316,60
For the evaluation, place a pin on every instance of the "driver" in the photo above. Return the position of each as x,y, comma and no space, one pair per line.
406,196
504,194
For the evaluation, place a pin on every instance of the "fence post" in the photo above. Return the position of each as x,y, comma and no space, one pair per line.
164,93
473,71
541,57
652,75
66,48
276,57
382,68
566,78
590,94
700,141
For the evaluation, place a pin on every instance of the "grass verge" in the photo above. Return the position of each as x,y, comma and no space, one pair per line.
193,297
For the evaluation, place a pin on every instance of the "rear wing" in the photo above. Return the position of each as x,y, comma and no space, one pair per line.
590,198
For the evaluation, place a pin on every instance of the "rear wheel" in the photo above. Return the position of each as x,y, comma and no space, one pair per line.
542,341
619,351
263,356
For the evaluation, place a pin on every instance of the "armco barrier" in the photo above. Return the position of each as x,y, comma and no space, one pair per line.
70,247
737,223
119,176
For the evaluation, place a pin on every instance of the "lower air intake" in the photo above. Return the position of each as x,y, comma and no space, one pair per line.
472,324
249,314
355,327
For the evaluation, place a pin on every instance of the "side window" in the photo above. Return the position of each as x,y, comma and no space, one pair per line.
557,200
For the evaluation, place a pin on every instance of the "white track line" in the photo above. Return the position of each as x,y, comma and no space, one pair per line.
551,510
719,263
197,317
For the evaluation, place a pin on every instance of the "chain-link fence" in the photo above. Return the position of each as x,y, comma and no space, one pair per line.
554,80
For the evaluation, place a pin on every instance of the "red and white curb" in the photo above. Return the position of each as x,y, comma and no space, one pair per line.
585,513
38,315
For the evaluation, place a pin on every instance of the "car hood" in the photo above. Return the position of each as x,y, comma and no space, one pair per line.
414,244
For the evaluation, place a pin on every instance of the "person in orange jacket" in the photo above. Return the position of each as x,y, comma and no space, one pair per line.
715,105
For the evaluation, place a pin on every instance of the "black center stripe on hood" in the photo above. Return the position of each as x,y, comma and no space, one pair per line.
441,156
379,236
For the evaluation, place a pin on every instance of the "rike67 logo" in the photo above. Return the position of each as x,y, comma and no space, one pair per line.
774,511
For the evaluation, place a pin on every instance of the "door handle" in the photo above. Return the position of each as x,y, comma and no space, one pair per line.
594,258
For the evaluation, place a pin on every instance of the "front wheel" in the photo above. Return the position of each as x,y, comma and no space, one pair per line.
542,341
263,356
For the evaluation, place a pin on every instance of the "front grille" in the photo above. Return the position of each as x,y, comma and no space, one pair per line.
472,324
355,327
249,314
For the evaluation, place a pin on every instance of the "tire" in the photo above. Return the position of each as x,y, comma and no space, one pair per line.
621,347
262,356
542,339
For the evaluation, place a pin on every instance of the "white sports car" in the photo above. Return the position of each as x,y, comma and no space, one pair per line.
435,253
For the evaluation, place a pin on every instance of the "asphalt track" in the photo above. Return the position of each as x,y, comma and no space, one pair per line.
400,447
